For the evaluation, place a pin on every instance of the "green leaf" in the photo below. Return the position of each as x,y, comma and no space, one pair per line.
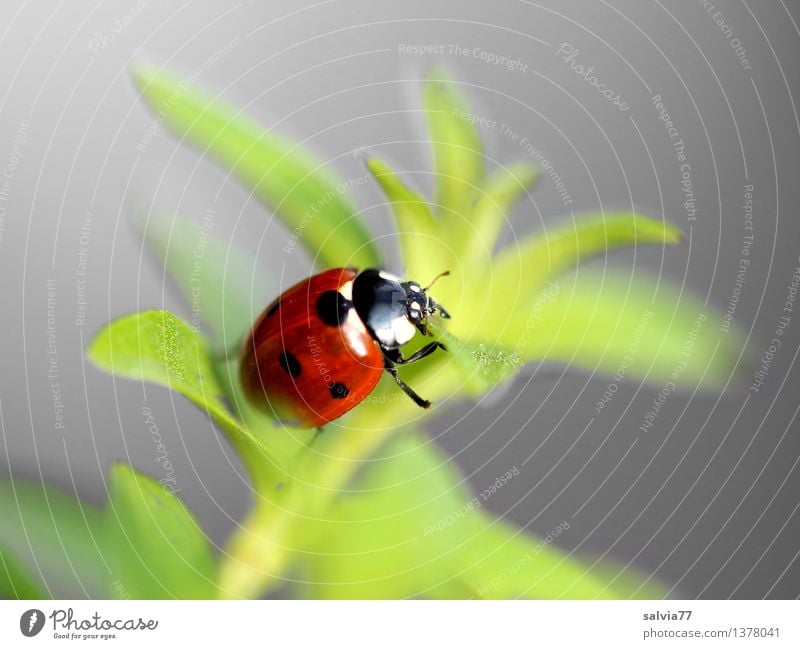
491,210
15,582
159,550
522,270
418,231
627,582
620,325
393,537
457,151
503,562
291,182
157,346
481,366
412,527
55,537
225,287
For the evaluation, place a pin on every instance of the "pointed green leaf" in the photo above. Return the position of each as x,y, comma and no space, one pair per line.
393,537
423,251
492,208
481,366
523,269
159,550
58,539
15,580
291,182
619,324
225,287
503,562
457,151
627,582
157,346
412,527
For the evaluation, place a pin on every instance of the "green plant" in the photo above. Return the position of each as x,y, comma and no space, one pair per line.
325,522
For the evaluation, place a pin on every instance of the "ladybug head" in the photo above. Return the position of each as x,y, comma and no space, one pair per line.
419,305
393,310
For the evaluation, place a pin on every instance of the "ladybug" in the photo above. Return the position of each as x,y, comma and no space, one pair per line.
321,347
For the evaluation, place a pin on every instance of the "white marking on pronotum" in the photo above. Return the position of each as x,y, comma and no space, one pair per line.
354,328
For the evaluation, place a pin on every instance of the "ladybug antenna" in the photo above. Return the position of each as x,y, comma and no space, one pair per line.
443,274
433,305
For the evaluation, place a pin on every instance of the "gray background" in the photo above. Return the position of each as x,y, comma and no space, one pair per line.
707,500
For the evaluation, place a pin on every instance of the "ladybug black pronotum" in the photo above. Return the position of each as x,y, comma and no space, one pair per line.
321,347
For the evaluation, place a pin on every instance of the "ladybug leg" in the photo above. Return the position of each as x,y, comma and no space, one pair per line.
396,357
317,433
388,365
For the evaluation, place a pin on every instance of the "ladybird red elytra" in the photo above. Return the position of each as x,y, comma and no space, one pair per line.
322,346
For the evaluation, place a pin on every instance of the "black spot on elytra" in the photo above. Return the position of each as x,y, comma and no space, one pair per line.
273,308
339,391
290,364
332,308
